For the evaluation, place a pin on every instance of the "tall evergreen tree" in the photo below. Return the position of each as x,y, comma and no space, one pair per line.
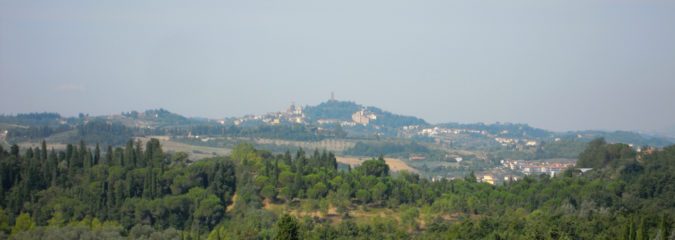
29,153
109,155
97,155
140,161
44,150
52,167
14,150
83,155
129,154
632,232
287,158
642,230
69,155
664,228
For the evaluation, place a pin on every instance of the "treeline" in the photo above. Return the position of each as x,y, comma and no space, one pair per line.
628,197
618,137
116,187
104,132
142,192
635,201
295,132
96,130
374,149
31,118
35,132
113,133
514,130
160,116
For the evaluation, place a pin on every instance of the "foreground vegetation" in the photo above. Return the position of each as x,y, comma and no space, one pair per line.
139,191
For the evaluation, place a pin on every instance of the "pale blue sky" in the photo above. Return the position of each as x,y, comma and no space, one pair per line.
560,65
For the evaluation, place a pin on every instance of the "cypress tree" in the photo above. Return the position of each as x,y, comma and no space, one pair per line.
325,162
75,162
268,168
14,150
333,160
664,228
83,154
87,159
316,158
44,150
52,167
109,155
97,154
110,195
287,158
69,155
140,161
642,230
129,158
147,181
29,153
119,157
276,172
632,231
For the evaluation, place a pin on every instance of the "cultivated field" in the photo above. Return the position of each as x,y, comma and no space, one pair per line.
395,164
195,152
328,144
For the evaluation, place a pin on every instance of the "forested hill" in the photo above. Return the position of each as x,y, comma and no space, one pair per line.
140,192
621,137
503,129
117,128
516,130
343,110
160,117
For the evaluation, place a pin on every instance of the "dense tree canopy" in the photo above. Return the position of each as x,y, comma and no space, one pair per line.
140,191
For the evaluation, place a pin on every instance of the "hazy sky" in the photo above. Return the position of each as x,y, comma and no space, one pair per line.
560,65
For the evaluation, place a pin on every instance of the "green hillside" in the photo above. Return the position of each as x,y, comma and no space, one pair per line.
138,191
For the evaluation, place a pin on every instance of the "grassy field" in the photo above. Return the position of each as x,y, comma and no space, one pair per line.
360,214
330,213
56,146
328,144
395,164
195,152
201,152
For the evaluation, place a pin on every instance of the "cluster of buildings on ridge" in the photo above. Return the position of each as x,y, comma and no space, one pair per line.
514,170
440,132
295,114
550,167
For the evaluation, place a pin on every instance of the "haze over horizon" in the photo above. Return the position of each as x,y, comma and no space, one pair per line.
557,65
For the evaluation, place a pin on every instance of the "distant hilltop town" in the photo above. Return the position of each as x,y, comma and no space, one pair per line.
295,114
331,112
360,121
